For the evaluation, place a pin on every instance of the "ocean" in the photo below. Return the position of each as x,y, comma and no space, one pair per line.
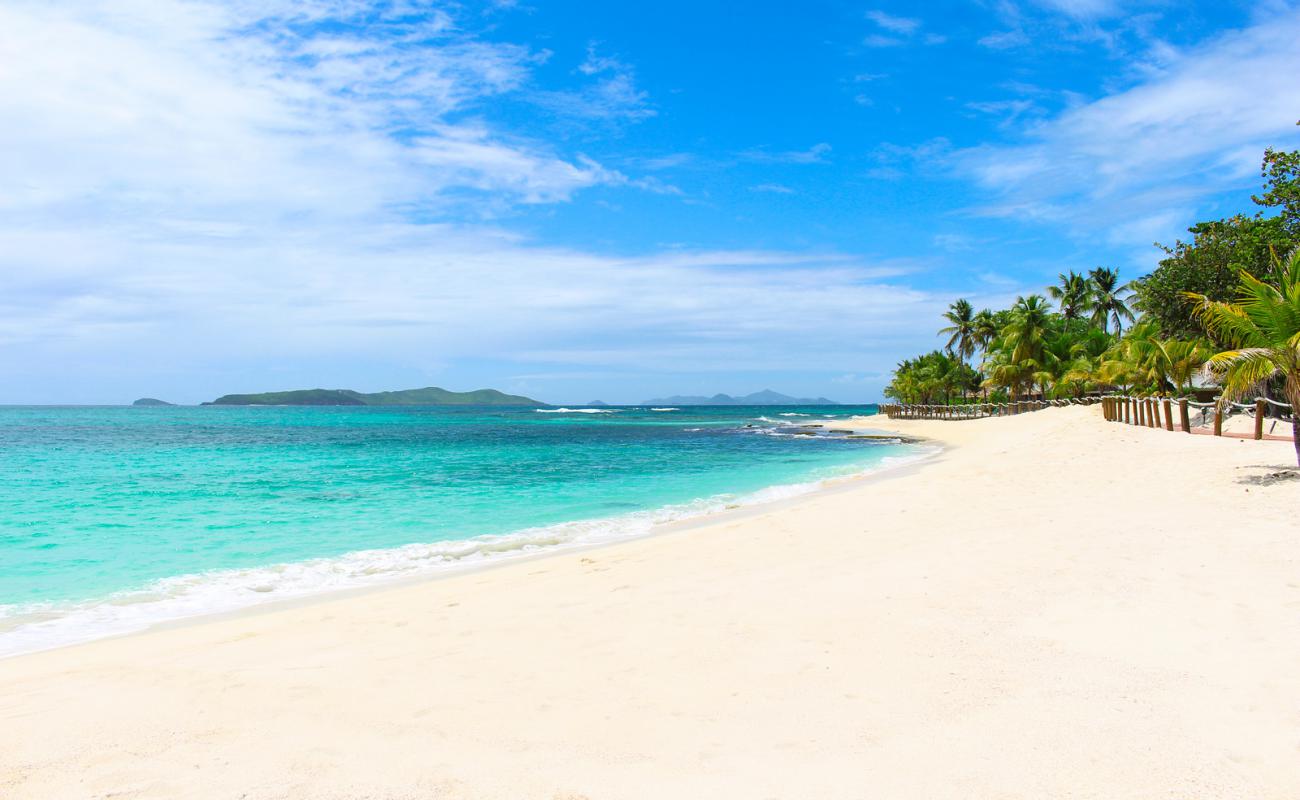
116,518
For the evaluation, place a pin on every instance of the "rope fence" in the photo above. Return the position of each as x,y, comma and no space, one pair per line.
1158,412
977,410
1150,411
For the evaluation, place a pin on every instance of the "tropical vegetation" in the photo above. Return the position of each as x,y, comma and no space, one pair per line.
1221,311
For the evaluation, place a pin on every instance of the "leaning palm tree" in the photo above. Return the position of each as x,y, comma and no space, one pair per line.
1071,294
961,333
1264,326
1109,300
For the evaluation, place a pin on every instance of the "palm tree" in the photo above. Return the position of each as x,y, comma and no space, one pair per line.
962,330
986,328
1071,294
1025,341
1109,299
1264,326
1155,363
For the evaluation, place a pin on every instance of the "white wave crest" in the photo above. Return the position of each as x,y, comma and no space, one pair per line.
576,410
666,409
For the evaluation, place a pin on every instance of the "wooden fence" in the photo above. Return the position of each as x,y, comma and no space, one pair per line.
1159,412
977,410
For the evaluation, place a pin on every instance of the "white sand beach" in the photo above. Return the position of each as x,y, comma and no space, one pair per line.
1053,607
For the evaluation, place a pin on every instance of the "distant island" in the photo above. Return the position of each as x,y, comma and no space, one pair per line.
151,401
597,404
429,396
767,397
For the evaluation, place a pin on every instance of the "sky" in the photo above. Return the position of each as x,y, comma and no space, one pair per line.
581,201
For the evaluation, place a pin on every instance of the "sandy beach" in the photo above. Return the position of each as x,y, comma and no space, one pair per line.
1053,607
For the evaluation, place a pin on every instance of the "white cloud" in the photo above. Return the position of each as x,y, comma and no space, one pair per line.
893,24
613,95
126,107
1004,40
816,154
1193,127
897,31
774,188
1082,8
880,40
214,191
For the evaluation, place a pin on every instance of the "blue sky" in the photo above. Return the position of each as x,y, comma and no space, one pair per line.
590,200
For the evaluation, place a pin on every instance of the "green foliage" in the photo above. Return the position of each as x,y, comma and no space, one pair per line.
1109,301
1281,173
1262,325
936,377
1205,292
1209,265
961,333
1073,294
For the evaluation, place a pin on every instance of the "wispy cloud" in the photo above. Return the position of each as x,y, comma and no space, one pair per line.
1004,40
612,95
775,188
1083,9
252,185
1008,112
817,154
1194,126
242,108
896,31
893,24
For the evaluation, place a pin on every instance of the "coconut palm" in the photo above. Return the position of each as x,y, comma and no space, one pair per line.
1182,359
1079,367
1109,300
986,328
1264,326
1071,294
1023,358
961,333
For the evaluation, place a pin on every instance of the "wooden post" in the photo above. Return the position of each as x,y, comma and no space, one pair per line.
1259,417
1141,411
1218,419
1183,419
1153,419
1169,415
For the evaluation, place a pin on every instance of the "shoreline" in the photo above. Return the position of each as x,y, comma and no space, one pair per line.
737,508
1051,606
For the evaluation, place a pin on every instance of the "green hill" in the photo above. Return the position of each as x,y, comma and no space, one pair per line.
429,396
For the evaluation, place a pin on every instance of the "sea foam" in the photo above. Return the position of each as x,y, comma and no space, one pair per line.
40,626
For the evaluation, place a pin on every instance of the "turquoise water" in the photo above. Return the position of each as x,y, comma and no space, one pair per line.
114,518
